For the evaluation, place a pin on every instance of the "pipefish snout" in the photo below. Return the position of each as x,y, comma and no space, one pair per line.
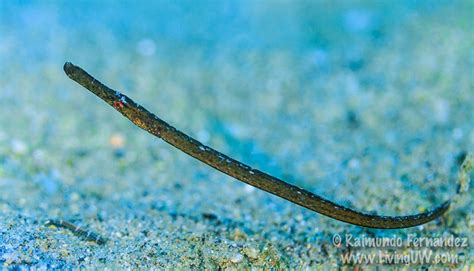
240,171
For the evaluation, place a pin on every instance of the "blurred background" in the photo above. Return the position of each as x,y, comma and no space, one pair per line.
367,103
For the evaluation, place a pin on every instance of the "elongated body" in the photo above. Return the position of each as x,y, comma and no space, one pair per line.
240,171
87,235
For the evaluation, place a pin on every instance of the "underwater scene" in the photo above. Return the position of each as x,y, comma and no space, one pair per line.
337,135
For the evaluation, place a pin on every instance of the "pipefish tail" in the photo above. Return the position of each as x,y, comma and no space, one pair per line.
240,171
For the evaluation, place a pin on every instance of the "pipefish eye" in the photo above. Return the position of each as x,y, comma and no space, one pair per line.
240,171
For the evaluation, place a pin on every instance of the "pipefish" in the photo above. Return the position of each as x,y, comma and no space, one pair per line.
87,235
238,170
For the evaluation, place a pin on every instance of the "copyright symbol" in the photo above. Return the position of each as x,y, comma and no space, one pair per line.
337,240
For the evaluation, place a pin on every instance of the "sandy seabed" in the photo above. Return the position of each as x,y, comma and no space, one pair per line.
369,105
